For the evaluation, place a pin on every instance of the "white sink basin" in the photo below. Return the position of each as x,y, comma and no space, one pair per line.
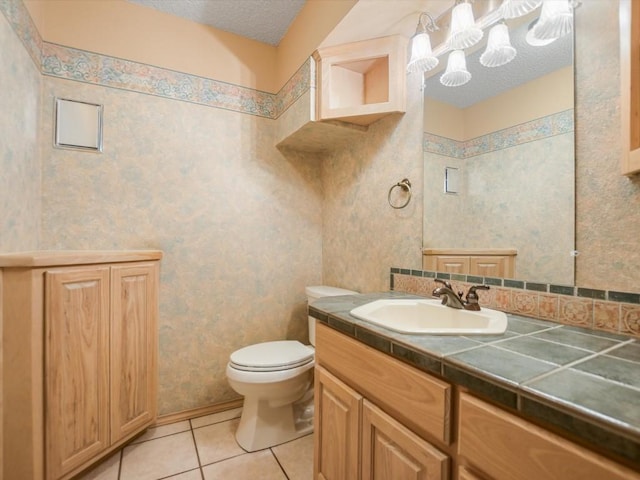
430,317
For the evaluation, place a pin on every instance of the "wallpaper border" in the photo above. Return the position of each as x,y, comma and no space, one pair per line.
531,131
97,69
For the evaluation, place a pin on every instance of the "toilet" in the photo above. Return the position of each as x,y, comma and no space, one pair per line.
276,380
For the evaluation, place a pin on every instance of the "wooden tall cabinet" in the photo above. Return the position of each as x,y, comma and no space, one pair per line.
80,367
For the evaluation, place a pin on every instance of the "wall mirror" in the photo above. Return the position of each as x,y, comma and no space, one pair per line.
509,133
78,125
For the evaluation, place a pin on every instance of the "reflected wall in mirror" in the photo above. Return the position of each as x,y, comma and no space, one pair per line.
510,133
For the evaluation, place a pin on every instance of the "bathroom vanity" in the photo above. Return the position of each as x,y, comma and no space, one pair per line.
391,405
80,348
494,262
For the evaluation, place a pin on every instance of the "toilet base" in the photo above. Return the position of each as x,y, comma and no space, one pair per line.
263,425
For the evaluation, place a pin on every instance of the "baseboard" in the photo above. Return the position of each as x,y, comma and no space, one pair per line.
197,412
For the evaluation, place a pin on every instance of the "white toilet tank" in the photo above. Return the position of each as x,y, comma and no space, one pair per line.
320,291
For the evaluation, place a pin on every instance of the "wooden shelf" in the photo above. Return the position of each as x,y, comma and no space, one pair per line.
361,82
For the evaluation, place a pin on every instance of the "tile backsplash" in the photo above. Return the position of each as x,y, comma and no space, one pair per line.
607,310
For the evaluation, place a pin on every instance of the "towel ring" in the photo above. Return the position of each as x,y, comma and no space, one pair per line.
405,185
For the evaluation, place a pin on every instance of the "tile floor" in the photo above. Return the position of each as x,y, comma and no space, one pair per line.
204,448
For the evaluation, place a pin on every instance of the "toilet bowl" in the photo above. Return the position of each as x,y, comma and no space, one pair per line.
276,380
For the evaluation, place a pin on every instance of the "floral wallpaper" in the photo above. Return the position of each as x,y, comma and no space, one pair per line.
19,139
608,203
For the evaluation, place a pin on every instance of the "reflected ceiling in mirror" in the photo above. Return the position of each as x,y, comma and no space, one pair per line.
510,133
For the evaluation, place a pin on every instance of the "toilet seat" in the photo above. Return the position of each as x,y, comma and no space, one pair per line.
272,356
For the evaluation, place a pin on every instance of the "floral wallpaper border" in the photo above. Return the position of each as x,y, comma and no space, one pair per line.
547,126
611,311
88,67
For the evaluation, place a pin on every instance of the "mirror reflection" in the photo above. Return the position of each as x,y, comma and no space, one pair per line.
499,164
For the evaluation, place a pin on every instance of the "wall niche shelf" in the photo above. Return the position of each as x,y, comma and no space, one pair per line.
361,82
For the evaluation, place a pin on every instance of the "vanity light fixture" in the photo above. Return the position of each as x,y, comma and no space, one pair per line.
456,73
532,40
518,8
556,20
464,32
499,50
422,57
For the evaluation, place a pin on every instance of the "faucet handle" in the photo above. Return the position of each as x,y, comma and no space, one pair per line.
443,282
472,295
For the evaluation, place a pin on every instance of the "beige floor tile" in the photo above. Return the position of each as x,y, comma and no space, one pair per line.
217,442
163,431
107,470
190,475
159,458
250,466
296,457
216,417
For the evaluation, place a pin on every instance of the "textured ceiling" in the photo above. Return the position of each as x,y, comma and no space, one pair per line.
262,20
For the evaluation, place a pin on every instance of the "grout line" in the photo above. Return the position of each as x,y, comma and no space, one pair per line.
581,360
279,464
195,444
180,473
121,454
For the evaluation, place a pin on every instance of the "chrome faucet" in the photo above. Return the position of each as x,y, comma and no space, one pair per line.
455,300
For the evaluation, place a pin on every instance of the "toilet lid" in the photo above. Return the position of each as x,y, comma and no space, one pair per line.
272,356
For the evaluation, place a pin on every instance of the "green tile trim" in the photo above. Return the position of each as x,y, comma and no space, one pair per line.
538,287
416,359
598,436
513,283
373,340
562,290
479,385
592,293
624,297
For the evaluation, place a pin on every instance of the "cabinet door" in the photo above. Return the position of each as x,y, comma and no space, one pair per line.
452,264
503,446
76,366
486,266
133,348
392,451
464,474
337,428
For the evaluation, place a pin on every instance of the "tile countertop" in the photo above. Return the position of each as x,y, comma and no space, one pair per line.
584,382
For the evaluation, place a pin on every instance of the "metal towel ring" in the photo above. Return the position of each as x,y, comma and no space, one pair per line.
405,185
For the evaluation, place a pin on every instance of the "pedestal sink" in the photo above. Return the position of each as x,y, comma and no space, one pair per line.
425,316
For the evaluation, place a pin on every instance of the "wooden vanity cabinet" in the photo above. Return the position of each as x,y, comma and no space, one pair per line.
361,427
80,368
501,445
379,418
499,263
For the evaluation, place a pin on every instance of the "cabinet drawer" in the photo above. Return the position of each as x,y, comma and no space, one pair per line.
502,445
417,399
